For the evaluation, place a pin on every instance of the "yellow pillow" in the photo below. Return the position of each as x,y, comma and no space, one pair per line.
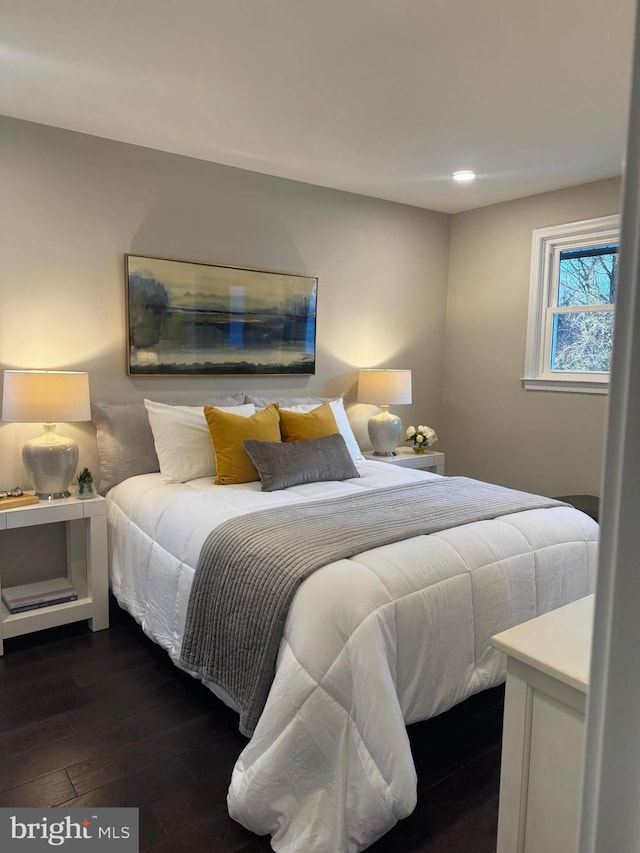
318,423
228,431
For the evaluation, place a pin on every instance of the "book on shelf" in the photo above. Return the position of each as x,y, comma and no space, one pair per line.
32,596
36,606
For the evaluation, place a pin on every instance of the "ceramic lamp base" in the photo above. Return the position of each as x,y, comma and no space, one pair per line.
51,461
385,430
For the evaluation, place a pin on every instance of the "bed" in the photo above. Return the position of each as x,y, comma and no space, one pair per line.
391,636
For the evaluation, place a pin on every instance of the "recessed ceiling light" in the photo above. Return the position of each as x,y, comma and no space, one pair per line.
464,176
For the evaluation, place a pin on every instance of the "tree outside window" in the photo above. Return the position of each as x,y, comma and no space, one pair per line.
583,337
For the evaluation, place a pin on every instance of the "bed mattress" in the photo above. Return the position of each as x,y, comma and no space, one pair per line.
391,636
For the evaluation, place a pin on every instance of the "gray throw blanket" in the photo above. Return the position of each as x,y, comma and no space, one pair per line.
251,566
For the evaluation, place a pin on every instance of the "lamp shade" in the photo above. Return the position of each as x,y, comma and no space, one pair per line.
384,387
45,396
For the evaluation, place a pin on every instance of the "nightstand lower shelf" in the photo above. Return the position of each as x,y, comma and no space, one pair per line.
17,624
86,566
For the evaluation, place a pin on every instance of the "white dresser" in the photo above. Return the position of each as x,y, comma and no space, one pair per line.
543,739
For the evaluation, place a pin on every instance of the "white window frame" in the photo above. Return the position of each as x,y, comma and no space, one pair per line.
547,243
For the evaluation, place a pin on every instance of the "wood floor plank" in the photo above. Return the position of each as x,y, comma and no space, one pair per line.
104,708
32,736
216,757
134,685
67,639
127,666
150,832
478,825
10,665
49,790
140,788
101,769
207,834
116,656
102,744
176,811
437,754
21,694
38,706
39,669
256,845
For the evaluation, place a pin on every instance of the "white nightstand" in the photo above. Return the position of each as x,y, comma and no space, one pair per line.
430,460
87,567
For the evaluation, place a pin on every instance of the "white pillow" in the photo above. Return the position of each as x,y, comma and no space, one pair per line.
183,441
342,421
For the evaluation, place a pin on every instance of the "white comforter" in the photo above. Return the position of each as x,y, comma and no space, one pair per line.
392,636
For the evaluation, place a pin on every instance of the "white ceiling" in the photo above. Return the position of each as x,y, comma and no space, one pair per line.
380,97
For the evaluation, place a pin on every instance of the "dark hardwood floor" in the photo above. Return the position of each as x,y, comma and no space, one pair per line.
105,719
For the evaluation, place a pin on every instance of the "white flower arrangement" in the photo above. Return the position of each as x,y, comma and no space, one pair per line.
423,436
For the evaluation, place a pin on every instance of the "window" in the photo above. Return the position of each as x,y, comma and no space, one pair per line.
571,306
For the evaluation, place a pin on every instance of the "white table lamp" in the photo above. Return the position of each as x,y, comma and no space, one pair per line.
47,397
384,388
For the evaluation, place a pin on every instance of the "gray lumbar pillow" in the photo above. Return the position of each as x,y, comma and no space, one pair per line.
262,402
284,464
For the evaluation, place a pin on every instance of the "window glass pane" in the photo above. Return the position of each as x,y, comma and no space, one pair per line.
588,276
582,341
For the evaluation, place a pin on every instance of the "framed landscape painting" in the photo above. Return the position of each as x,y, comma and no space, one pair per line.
189,318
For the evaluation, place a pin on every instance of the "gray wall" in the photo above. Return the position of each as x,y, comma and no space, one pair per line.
71,205
546,442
